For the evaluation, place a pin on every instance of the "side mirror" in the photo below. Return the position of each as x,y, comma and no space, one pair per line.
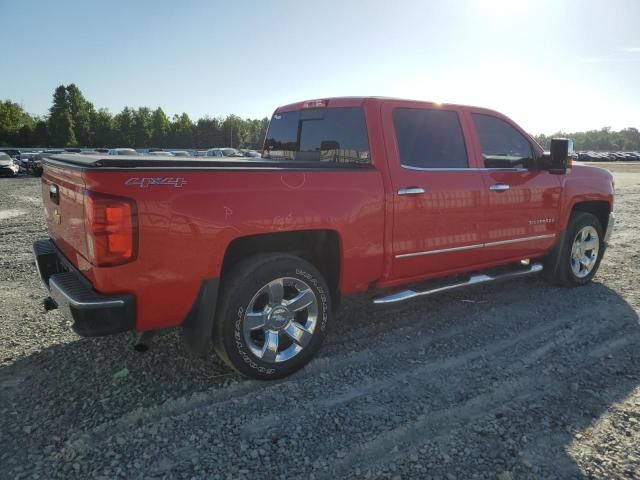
560,156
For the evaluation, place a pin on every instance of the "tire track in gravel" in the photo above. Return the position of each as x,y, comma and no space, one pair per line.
389,383
441,421
330,367
430,423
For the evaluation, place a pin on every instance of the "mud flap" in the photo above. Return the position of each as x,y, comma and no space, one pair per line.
552,260
197,326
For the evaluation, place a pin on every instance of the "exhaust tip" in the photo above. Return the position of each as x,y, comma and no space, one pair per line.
49,304
143,341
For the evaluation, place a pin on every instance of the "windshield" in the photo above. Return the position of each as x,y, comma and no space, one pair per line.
318,135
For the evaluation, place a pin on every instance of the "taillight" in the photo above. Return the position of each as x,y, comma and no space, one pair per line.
315,104
111,229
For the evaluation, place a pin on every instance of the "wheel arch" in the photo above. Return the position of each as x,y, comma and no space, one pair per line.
321,248
599,208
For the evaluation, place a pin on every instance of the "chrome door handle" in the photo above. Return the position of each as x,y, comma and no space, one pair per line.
499,187
411,191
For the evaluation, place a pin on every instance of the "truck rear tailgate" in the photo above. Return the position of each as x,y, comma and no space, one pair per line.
63,199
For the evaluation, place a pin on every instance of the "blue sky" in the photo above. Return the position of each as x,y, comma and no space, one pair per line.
548,64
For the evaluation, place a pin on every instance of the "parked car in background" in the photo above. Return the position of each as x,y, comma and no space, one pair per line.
34,166
180,153
12,152
8,166
160,153
223,152
25,158
592,156
123,151
251,154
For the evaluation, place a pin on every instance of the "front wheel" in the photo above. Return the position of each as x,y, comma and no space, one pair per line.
272,317
582,251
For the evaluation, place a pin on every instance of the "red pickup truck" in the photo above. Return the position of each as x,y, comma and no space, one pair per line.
350,195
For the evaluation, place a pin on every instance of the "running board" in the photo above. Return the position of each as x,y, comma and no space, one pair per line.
473,280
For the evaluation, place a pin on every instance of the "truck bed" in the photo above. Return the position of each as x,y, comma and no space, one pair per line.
188,213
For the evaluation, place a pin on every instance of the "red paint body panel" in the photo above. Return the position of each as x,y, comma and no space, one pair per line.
184,231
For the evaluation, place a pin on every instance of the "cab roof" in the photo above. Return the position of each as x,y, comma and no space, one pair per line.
359,101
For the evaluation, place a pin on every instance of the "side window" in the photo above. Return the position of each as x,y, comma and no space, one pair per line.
502,145
429,138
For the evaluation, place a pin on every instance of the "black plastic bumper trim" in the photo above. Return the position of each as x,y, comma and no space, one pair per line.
93,314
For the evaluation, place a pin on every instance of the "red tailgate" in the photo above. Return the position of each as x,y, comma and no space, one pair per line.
63,199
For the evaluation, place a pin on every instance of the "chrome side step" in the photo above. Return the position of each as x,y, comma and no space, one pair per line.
473,280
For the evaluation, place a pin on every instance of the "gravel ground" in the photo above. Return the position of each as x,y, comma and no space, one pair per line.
506,381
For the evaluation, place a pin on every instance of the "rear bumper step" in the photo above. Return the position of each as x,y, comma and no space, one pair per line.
477,279
93,314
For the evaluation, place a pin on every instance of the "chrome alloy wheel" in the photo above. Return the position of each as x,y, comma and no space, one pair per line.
584,251
280,320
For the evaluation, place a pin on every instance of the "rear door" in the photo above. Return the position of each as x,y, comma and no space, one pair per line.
437,211
521,203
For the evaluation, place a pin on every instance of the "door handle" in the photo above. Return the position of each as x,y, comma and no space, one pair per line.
411,191
499,187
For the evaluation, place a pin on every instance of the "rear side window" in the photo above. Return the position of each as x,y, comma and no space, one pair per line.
502,145
429,138
336,135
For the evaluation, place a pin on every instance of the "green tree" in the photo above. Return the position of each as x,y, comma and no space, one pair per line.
41,136
141,127
25,135
13,119
123,123
60,120
159,128
181,131
102,128
234,132
80,110
256,130
208,133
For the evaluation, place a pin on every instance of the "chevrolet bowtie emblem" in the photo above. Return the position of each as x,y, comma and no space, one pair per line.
57,217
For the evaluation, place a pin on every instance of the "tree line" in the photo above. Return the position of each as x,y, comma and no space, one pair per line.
603,140
74,121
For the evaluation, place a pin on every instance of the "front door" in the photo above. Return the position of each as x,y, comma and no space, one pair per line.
521,203
437,197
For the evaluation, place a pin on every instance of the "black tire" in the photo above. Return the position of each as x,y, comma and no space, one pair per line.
564,274
239,291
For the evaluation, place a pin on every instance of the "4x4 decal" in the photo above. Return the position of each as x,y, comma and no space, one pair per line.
144,182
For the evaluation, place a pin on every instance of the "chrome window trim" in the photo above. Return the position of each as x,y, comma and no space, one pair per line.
474,246
464,169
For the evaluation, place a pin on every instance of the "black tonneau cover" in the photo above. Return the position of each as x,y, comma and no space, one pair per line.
155,162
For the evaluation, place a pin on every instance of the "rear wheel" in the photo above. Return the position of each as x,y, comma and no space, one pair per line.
273,316
582,251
